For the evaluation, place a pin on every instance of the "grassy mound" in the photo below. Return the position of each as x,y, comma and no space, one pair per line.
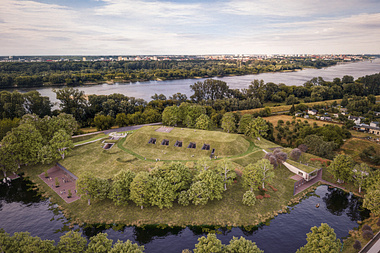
224,144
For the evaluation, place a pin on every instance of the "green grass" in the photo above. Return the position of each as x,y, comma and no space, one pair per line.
249,158
228,211
301,166
223,143
93,138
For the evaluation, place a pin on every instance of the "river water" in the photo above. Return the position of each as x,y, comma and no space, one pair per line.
23,210
145,90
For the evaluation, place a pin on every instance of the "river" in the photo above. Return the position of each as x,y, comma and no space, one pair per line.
145,90
23,210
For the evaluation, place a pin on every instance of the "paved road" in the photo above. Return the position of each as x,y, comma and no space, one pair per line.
373,246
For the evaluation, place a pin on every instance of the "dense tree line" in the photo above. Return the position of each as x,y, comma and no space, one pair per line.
16,74
37,140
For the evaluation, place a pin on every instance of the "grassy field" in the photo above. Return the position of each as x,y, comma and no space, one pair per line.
355,146
223,143
229,211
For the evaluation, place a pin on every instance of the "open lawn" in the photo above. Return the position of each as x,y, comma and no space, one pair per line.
230,211
223,143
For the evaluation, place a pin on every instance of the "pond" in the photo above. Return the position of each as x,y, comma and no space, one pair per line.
22,209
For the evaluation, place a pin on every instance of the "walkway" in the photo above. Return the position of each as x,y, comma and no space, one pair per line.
372,246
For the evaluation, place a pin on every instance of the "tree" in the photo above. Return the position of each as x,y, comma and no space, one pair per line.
6,125
227,171
176,173
257,90
259,172
249,198
244,122
372,198
72,242
192,114
228,122
94,188
203,122
317,146
58,147
203,164
321,239
103,122
99,244
242,245
141,189
342,168
35,103
120,188
360,174
256,128
8,162
73,102
208,244
25,142
171,116
121,120
162,193
208,185
126,247
24,242
295,154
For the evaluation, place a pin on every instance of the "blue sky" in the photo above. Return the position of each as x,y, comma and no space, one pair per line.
129,27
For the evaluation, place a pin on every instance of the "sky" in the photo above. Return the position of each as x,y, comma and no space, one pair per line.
189,27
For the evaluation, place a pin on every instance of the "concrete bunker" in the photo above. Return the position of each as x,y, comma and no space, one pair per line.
192,145
152,141
178,144
165,142
206,147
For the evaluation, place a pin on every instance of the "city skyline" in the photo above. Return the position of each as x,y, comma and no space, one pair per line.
119,27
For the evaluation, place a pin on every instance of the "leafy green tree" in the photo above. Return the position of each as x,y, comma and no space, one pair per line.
37,104
23,242
58,147
203,122
5,241
256,128
317,146
257,90
228,122
249,198
140,189
360,174
372,198
126,247
208,244
99,244
244,122
321,239
8,162
227,171
208,186
342,168
72,242
94,188
73,102
264,172
103,122
203,164
176,173
183,198
242,245
121,120
162,193
252,176
120,188
6,125
12,104
192,114
25,142
171,116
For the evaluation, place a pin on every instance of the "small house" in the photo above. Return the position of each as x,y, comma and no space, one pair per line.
312,112
374,124
355,119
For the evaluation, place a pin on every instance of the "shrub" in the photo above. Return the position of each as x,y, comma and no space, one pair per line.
303,147
259,197
183,198
56,182
46,174
249,198
367,234
357,245
266,195
366,227
69,194
295,154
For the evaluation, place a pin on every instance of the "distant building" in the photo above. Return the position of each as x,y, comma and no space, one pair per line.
374,124
312,112
355,119
84,59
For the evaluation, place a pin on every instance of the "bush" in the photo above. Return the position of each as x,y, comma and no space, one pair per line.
183,198
56,182
296,154
366,227
259,197
357,245
249,198
367,234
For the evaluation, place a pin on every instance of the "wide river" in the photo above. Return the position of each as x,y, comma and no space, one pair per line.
145,90
22,210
